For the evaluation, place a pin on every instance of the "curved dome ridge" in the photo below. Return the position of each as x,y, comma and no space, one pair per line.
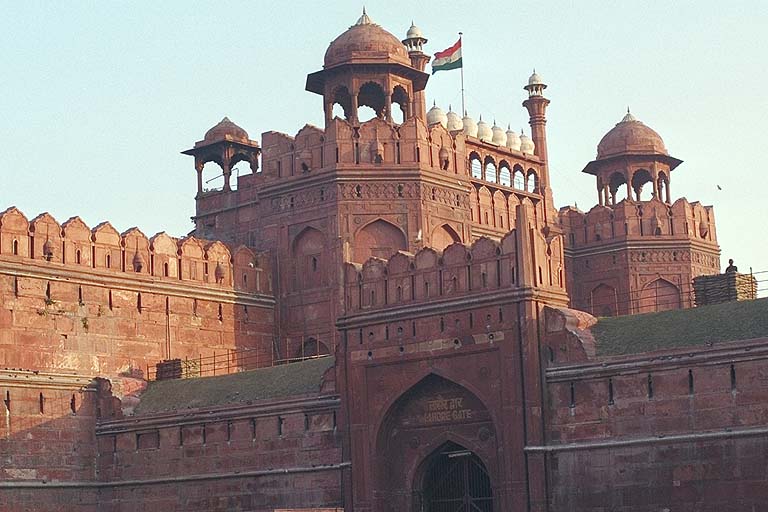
226,129
365,41
630,136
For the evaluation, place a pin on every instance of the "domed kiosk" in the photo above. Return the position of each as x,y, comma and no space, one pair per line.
394,72
630,155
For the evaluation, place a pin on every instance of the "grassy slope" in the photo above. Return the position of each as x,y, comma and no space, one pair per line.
688,327
287,380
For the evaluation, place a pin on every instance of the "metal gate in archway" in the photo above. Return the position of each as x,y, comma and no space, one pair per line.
456,481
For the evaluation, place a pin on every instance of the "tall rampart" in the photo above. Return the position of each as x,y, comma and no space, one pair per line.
674,429
100,303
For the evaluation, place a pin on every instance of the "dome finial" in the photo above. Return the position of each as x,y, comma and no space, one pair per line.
628,118
364,19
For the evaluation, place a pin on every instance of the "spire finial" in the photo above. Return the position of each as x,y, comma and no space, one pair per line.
628,112
364,19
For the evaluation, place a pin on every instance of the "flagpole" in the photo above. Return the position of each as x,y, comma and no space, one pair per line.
463,108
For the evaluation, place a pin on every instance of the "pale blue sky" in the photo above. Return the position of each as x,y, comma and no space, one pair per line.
98,98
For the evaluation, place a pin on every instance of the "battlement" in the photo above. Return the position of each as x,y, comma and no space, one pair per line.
524,257
103,250
635,219
378,142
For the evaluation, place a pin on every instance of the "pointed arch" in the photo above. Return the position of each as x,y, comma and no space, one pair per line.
309,252
443,236
380,239
440,410
659,295
603,300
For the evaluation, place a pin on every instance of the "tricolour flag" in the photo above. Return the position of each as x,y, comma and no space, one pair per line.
448,59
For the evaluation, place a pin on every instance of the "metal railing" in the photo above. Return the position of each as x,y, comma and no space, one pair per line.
219,363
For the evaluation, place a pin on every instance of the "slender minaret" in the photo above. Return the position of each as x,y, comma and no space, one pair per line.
536,104
414,41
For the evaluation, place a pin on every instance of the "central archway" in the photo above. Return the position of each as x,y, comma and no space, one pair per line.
436,431
454,479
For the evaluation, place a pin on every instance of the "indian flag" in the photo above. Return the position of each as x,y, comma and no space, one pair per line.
448,59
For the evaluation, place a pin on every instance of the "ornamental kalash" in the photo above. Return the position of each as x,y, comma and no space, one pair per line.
386,315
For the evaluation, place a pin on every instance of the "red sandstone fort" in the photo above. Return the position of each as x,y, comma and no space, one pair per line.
387,315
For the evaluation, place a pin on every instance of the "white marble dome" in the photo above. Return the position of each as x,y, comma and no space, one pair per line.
484,131
499,137
526,144
513,139
436,115
470,127
414,32
454,121
535,79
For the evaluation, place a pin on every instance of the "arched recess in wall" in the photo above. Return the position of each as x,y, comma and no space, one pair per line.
460,420
312,347
308,253
603,300
380,239
659,295
443,236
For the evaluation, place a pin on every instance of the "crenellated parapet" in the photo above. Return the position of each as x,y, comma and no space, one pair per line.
638,219
523,258
103,250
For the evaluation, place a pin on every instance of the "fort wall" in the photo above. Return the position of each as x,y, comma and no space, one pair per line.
682,429
99,303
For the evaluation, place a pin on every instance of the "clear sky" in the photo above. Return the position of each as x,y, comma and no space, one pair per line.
98,98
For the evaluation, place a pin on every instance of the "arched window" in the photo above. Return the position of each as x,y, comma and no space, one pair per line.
639,179
505,177
475,166
518,178
213,176
532,181
371,102
490,170
341,103
400,98
15,247
617,187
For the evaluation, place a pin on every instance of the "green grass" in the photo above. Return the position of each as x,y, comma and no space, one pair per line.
704,325
286,380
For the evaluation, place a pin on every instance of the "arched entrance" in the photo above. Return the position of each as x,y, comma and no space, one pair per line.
436,451
454,480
